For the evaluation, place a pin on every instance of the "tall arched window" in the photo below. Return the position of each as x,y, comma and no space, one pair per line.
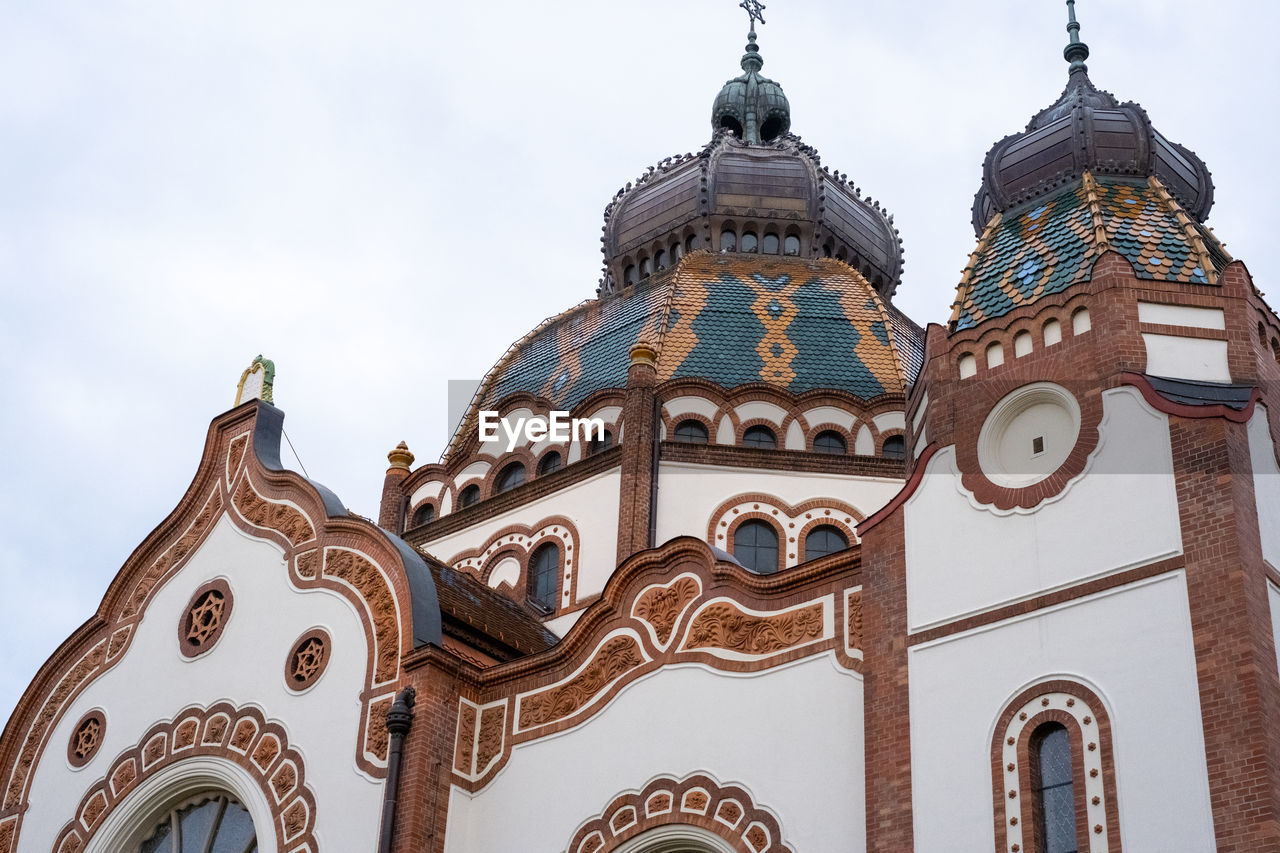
823,540
513,475
1053,789
468,496
691,432
894,447
830,441
770,244
791,245
629,275
760,437
424,515
646,267
728,240
210,822
660,259
1053,773
750,243
544,570
755,546
690,243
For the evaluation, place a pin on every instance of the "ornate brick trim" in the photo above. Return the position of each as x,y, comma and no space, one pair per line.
1084,716
1160,404
790,521
240,735
276,505
671,605
698,800
520,541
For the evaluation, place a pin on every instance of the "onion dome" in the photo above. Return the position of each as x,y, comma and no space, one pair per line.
752,107
1090,175
755,188
795,324
1086,129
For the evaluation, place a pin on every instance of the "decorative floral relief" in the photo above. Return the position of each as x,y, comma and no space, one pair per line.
174,555
722,625
464,757
235,455
492,723
283,518
854,606
376,738
614,658
353,569
661,606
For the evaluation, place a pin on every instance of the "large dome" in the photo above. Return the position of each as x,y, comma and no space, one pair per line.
754,188
1086,129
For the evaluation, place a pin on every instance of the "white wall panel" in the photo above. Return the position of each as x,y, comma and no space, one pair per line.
1266,484
963,558
696,721
960,685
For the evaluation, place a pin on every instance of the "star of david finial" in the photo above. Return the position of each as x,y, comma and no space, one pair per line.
755,9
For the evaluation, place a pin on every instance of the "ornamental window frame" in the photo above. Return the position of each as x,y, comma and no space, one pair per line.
1085,717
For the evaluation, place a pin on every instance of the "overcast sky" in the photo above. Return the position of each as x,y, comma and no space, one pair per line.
383,195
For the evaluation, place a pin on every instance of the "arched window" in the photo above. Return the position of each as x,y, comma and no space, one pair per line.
755,545
770,245
629,274
827,250
734,126
760,437
513,475
551,462
660,259
823,540
691,432
468,496
424,514
214,822
544,570
601,444
791,245
728,240
1053,789
677,251
830,441
646,268
750,243
690,243
895,447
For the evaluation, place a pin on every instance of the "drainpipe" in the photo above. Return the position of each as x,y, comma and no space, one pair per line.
399,719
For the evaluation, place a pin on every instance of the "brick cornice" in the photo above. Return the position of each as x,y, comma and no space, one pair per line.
782,460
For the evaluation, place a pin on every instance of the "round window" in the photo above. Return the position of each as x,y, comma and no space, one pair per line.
1028,435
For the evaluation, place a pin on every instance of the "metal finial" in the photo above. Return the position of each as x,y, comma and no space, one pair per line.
755,9
1076,52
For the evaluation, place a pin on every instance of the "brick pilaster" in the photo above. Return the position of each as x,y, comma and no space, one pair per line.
886,721
422,809
1231,623
639,454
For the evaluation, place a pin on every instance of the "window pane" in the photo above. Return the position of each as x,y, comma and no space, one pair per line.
728,241
770,244
692,432
791,245
755,546
1060,820
162,841
660,259
895,447
513,475
629,275
235,832
829,442
196,824
1055,758
1055,803
761,437
542,580
822,541
550,462
749,242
